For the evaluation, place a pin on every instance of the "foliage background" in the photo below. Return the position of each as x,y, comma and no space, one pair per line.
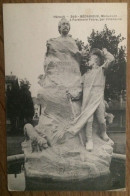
116,75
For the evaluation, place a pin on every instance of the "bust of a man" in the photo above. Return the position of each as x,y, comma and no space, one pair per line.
64,27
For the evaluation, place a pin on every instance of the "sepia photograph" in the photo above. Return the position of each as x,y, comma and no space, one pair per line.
65,85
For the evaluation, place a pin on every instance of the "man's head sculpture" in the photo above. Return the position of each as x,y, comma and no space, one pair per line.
64,26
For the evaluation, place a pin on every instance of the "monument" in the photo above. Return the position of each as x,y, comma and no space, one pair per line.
47,154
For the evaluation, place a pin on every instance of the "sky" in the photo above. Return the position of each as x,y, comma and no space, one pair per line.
27,27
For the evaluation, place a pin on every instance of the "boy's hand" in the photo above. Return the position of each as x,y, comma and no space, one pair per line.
69,96
83,53
104,50
107,55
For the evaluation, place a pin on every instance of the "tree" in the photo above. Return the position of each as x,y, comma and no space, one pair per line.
19,103
85,57
116,76
27,107
13,104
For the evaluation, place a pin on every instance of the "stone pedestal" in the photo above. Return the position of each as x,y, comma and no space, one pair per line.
46,157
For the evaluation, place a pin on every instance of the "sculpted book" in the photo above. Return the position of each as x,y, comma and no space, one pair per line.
65,80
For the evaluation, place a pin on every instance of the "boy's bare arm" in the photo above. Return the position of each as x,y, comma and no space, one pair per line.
109,59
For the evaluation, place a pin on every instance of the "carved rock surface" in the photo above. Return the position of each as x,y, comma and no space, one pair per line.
69,160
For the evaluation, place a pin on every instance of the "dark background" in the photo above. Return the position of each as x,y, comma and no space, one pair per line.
3,146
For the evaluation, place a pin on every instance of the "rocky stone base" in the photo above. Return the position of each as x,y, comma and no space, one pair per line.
69,160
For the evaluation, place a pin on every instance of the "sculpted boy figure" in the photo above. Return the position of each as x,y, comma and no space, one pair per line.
93,97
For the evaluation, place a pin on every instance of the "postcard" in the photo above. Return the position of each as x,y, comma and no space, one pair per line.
65,80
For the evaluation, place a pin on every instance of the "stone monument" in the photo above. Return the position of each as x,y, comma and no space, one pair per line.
47,156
